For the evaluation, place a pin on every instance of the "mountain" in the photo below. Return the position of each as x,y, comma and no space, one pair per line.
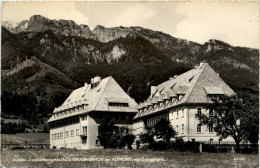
52,57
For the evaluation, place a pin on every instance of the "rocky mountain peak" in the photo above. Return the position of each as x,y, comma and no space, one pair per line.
108,34
38,23
214,44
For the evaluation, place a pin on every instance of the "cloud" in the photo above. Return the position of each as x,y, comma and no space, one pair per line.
135,16
234,23
111,14
17,11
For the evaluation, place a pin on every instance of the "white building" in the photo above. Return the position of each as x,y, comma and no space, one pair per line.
75,123
179,99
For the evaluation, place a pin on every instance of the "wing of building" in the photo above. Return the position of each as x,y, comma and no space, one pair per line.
179,99
75,123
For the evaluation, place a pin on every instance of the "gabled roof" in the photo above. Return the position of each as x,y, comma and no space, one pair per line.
97,99
193,85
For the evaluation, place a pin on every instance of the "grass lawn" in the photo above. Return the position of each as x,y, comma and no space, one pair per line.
123,158
31,138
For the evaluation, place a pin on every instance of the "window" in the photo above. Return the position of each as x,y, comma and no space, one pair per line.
173,86
220,140
191,78
173,99
177,128
213,97
97,142
61,135
182,128
199,111
161,91
211,141
182,111
210,112
199,128
211,128
67,134
85,130
77,131
180,96
177,114
118,104
58,136
72,133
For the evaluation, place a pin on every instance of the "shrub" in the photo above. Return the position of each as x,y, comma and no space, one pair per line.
129,139
137,144
247,150
208,148
113,142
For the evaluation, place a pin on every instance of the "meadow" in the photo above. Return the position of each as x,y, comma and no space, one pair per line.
124,158
30,138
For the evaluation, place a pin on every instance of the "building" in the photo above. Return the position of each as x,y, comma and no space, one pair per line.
179,99
75,123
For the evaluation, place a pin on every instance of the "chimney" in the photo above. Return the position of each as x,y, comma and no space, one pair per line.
175,76
153,89
170,78
85,86
97,79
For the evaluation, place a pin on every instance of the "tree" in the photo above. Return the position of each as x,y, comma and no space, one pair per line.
148,136
229,119
105,132
163,129
129,139
252,117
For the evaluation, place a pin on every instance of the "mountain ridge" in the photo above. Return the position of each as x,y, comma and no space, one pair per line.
67,55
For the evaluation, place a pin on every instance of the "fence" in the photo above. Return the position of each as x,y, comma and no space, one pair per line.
227,146
23,146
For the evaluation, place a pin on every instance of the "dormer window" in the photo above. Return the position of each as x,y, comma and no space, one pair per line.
180,96
199,111
161,91
173,99
191,78
118,104
173,86
213,97
210,112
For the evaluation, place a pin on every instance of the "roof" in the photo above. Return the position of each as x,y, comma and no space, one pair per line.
190,87
97,99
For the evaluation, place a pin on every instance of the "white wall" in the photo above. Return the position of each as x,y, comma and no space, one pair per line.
68,142
190,124
138,128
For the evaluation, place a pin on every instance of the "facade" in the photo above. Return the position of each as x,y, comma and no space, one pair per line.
179,99
75,123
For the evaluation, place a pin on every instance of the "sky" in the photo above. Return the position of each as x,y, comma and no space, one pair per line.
231,22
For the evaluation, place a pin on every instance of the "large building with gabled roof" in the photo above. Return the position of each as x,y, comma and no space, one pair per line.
75,123
179,99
